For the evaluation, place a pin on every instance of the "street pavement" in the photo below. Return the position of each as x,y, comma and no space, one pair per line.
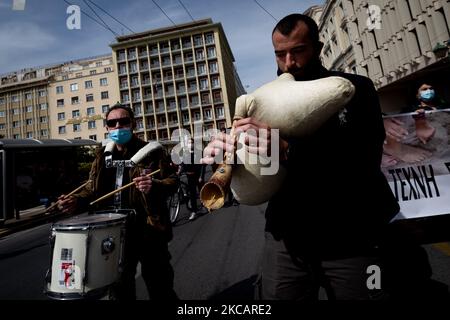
215,257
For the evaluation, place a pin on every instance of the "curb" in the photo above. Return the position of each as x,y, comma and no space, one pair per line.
19,225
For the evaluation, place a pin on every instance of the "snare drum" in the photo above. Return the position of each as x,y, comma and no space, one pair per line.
86,256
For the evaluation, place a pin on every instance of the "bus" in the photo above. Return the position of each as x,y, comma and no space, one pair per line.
35,172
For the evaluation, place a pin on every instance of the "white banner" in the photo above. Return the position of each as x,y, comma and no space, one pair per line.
416,162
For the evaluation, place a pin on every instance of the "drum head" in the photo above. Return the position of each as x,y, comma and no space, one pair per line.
91,221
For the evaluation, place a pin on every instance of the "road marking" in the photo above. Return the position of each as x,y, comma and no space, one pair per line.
443,247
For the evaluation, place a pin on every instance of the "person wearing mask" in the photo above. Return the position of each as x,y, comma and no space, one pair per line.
149,230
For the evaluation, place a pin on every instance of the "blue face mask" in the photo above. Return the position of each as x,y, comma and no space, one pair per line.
121,135
427,95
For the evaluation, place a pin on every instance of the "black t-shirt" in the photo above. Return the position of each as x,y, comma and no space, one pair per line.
335,194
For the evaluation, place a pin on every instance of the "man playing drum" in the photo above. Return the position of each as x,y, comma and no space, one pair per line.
149,231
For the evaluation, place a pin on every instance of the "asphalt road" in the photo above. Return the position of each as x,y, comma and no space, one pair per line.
215,257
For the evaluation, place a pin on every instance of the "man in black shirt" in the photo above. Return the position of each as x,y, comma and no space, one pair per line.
324,226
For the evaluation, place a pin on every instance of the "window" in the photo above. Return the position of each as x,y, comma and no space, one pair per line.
75,113
16,111
199,54
207,114
91,124
43,119
201,68
217,96
29,135
2,114
89,97
14,98
198,40
74,87
98,64
65,77
16,136
92,72
108,69
90,111
75,100
211,52
2,126
93,137
61,115
205,98
105,108
43,106
215,82
28,96
133,67
213,67
193,100
59,89
138,110
44,133
209,38
2,100
16,124
104,94
88,84
203,84
42,93
219,112
76,127
29,122
29,108
60,103
104,81
62,129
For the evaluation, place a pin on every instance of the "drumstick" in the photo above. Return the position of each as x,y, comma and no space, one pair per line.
121,188
71,193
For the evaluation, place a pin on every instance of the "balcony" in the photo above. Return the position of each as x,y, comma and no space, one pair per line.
147,97
123,86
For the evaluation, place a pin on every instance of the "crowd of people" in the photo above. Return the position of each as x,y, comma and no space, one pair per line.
316,235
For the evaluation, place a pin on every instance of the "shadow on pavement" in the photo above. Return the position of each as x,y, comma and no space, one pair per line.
243,290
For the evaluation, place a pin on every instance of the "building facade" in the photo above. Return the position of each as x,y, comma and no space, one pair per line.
399,44
79,95
61,101
24,105
180,77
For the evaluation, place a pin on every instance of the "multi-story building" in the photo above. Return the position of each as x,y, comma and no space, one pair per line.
24,108
79,94
177,77
397,43
60,101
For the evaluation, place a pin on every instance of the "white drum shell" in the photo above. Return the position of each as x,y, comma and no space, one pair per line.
81,250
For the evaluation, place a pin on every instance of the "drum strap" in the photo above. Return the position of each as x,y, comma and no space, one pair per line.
120,165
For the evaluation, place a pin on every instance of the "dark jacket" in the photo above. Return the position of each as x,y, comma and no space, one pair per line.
151,209
335,195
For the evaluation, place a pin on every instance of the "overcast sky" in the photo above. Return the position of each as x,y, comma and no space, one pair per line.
38,35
